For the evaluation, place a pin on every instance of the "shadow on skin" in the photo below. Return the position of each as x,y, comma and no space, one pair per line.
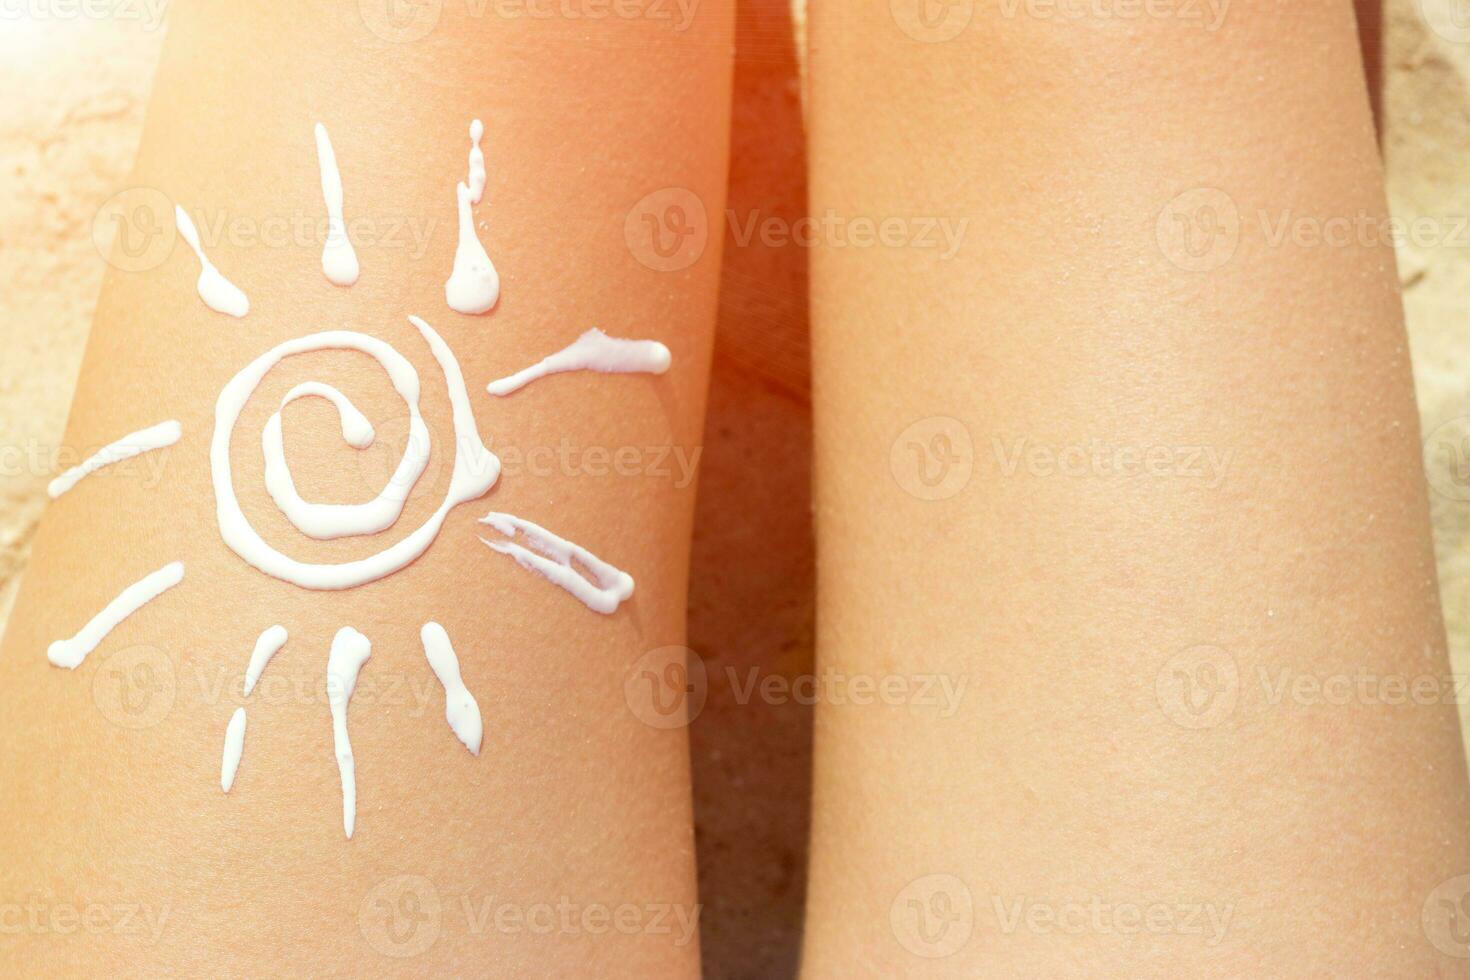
751,586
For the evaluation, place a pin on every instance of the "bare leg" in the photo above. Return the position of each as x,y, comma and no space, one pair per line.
1144,474
565,848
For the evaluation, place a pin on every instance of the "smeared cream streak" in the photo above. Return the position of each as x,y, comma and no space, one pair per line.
474,285
350,650
218,293
266,647
70,653
234,745
460,708
476,468
159,436
612,586
476,179
339,261
593,351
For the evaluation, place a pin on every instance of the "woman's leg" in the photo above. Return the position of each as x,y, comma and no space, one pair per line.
565,847
1138,472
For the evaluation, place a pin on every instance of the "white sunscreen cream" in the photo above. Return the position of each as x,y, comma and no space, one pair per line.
218,293
473,286
593,351
159,436
476,468
339,261
610,586
234,745
350,650
70,653
265,647
476,179
323,521
460,708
